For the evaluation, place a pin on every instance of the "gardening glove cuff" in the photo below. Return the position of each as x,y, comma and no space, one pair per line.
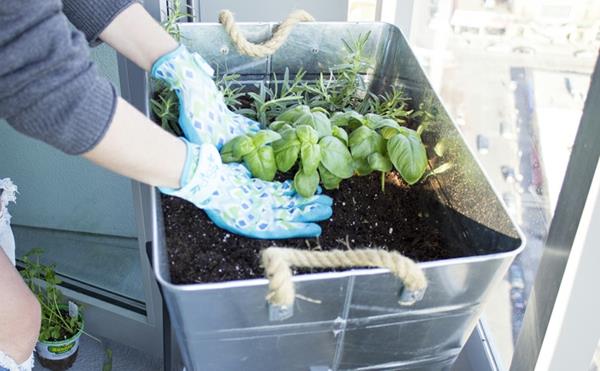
6,362
199,178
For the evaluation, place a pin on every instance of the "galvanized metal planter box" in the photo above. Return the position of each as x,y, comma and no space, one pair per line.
358,324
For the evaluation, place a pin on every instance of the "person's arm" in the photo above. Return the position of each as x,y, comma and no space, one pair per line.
136,35
51,91
92,16
139,149
123,24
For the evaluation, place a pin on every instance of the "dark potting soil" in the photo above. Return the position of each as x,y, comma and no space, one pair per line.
410,220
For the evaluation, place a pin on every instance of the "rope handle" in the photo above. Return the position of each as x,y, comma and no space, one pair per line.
268,47
277,262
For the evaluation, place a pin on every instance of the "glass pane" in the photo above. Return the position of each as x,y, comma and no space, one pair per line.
80,215
514,75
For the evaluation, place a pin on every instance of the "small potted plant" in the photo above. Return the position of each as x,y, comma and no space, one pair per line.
62,323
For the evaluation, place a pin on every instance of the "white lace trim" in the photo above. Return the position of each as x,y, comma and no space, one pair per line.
8,193
9,363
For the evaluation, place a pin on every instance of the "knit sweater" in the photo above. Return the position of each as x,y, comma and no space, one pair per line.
50,89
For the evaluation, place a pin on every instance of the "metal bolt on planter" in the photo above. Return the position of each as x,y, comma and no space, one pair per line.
409,297
363,318
280,312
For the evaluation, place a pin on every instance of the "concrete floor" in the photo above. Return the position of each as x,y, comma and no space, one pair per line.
91,357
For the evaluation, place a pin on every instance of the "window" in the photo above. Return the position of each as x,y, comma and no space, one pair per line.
516,92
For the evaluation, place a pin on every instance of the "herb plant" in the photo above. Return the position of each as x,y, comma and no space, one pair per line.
254,150
377,143
325,130
166,108
324,152
57,324
175,14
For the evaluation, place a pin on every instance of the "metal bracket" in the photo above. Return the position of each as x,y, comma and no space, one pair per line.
409,297
280,312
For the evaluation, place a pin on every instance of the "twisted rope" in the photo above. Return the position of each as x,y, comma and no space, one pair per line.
268,47
278,261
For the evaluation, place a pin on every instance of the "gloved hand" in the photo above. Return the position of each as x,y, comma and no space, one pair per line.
251,207
203,115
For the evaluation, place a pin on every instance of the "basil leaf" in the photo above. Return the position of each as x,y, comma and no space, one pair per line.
261,163
319,109
388,132
293,114
335,157
227,152
329,180
340,134
347,118
339,119
310,155
408,155
389,123
379,162
373,142
306,183
265,137
243,145
361,166
279,126
378,143
377,122
371,120
286,152
316,120
359,135
307,134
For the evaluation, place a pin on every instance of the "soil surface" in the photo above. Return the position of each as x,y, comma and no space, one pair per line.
410,220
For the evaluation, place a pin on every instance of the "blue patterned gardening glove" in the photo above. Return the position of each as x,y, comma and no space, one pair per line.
251,207
203,115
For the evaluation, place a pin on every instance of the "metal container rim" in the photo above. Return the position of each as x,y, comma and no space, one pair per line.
165,282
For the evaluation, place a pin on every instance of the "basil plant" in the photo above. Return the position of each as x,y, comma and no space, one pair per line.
308,136
254,150
378,143
327,150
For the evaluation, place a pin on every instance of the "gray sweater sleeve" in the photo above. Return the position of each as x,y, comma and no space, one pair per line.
50,89
92,16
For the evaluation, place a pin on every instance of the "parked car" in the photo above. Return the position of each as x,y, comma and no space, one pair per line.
483,144
508,173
